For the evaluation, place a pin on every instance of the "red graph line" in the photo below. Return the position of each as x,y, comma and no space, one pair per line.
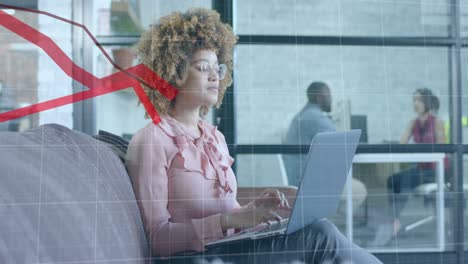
130,77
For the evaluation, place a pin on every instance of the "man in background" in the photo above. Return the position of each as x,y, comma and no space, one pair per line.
313,119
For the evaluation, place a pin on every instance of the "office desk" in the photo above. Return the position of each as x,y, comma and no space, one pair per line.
437,158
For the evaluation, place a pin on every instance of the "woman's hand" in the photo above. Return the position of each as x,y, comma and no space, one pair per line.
273,199
248,217
270,205
408,132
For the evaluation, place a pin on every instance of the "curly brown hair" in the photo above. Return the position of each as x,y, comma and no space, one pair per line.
166,49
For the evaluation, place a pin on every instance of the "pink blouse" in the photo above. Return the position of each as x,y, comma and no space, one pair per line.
182,184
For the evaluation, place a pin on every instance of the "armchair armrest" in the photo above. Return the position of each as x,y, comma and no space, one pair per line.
246,195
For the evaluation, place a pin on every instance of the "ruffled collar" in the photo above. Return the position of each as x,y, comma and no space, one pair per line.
196,160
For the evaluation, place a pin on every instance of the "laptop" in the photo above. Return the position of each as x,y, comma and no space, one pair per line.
328,163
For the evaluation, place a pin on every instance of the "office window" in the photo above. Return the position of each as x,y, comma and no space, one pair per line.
28,75
18,88
464,18
132,17
374,83
464,67
344,17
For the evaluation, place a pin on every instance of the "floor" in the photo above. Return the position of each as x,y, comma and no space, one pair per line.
366,226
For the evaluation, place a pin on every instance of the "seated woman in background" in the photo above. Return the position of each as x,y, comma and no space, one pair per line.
181,167
426,128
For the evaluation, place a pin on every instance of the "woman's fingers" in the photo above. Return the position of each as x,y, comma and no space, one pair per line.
252,217
267,215
285,203
269,196
263,199
278,196
272,198
280,199
272,216
283,200
276,216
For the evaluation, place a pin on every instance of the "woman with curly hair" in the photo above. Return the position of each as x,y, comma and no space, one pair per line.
181,167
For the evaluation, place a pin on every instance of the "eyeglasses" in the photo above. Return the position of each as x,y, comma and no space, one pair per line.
207,68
